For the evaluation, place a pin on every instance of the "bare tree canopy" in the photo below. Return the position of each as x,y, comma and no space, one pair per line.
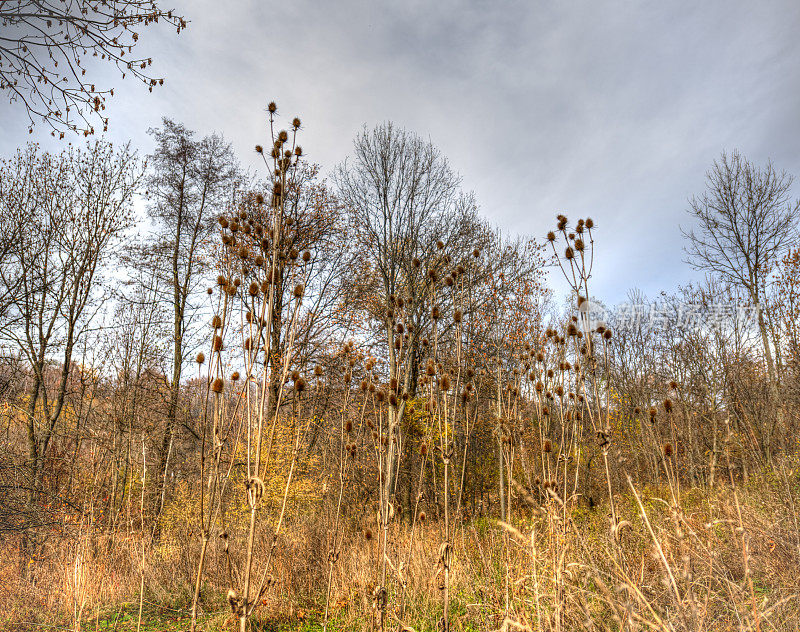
46,51
744,221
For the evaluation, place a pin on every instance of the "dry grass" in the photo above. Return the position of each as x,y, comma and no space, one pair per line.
726,569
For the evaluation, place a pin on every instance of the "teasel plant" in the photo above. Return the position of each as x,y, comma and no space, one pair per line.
261,271
348,445
217,443
589,341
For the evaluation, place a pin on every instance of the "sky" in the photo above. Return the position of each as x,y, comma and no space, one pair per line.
613,110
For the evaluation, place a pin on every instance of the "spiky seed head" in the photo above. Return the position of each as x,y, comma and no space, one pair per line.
216,322
433,275
607,334
298,290
283,136
200,358
458,315
295,122
367,534
673,385
435,313
547,447
668,405
569,253
667,450
216,344
306,256
235,376
217,385
222,281
416,262
652,412
589,223
444,383
253,289
440,245
579,245
300,385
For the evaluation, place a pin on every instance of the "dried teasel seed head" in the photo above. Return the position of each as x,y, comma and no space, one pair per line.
216,344
668,405
433,275
295,122
416,262
367,534
547,447
607,334
235,376
579,246
200,358
300,385
217,385
283,136
551,236
298,290
458,315
306,256
569,253
476,253
272,107
216,322
253,289
435,313
318,370
589,223
222,281
673,385
667,448
444,383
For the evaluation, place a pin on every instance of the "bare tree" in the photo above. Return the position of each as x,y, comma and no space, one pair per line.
191,182
46,47
744,222
70,209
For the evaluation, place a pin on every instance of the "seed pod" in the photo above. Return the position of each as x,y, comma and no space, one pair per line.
200,358
217,385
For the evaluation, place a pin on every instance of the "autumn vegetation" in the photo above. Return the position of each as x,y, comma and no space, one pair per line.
337,397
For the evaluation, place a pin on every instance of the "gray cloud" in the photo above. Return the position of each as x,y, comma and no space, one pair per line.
608,109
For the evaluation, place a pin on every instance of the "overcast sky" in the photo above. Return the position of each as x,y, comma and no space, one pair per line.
612,110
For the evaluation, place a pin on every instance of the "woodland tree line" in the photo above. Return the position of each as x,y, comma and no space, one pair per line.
245,386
